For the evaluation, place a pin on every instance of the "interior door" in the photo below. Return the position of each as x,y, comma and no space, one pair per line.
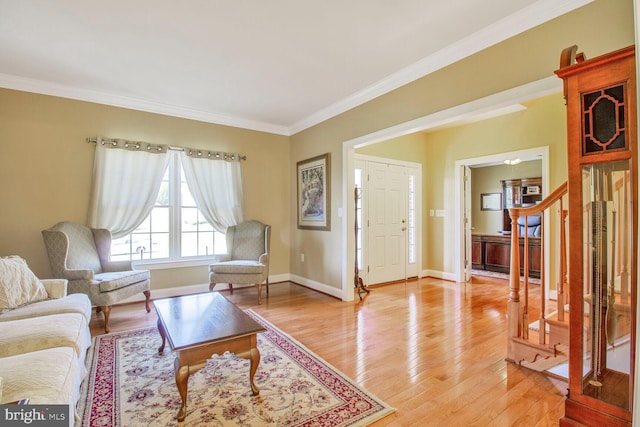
386,223
466,179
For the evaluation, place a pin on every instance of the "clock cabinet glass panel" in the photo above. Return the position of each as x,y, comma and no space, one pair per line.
607,248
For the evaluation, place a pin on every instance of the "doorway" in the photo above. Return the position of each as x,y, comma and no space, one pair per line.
463,230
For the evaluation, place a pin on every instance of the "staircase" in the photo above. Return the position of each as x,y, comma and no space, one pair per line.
538,326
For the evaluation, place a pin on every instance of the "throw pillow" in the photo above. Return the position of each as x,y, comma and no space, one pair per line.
18,284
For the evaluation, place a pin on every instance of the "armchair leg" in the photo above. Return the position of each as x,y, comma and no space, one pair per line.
106,309
267,283
259,293
230,288
147,295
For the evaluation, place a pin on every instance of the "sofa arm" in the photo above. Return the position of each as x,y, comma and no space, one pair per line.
56,288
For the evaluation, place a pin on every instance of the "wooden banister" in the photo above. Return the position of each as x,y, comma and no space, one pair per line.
518,304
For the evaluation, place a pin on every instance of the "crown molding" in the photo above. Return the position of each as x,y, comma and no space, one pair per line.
523,20
536,14
9,81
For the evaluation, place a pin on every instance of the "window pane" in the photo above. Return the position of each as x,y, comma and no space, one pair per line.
205,243
203,225
145,227
120,249
160,220
160,245
189,219
189,246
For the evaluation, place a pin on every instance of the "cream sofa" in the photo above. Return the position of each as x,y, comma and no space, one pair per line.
44,337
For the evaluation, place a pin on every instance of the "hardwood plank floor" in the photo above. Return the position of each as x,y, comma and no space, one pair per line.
432,349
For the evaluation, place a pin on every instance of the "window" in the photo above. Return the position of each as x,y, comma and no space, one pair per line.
175,230
411,220
358,203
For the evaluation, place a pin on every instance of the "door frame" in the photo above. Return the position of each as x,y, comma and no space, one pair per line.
538,153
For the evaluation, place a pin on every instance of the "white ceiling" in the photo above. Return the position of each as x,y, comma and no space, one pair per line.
274,65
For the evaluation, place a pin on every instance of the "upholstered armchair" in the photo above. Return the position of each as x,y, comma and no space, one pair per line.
82,256
247,259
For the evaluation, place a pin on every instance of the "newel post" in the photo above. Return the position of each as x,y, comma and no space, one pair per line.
513,306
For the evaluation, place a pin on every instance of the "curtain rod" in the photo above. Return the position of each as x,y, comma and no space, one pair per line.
191,151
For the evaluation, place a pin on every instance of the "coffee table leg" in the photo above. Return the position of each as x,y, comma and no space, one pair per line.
254,356
163,334
182,379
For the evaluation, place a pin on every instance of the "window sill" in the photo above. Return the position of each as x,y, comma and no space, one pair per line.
166,265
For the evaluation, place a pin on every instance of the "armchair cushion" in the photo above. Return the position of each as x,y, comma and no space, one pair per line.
119,279
238,267
18,284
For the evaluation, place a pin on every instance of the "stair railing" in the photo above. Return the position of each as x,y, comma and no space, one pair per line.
518,308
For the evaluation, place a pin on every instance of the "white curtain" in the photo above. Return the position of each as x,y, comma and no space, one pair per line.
216,186
126,181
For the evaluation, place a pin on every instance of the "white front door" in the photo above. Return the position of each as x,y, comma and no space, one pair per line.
387,223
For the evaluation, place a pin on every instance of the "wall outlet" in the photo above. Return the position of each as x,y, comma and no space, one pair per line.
301,257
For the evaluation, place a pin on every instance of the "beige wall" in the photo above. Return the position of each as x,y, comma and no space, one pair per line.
525,58
488,180
46,166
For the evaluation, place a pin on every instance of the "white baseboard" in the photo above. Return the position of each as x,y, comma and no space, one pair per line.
439,275
320,287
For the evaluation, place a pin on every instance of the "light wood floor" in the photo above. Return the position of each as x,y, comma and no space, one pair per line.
432,349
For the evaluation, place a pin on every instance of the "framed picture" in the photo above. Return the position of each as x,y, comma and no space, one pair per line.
533,189
314,193
491,202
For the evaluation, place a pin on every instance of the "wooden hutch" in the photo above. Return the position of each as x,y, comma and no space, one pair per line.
492,252
603,221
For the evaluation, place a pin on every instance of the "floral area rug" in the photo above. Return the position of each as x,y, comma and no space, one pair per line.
130,384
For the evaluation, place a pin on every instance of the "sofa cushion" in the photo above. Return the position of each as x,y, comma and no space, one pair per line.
73,303
37,333
113,280
50,376
18,284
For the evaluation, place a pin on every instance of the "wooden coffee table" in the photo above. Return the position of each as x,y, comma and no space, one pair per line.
201,325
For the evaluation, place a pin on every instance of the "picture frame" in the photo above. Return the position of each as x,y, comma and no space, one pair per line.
491,201
533,189
314,193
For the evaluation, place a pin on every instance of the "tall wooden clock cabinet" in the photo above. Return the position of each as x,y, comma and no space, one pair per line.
600,95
